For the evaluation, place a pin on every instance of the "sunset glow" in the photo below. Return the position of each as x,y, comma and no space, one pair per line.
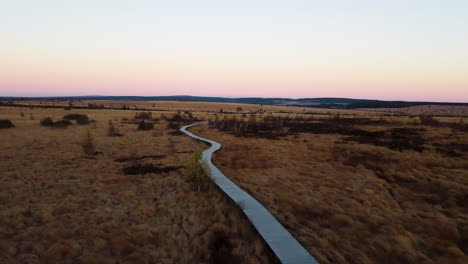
390,50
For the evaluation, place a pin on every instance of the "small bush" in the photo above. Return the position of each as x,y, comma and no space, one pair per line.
47,121
112,131
171,146
199,172
173,125
31,117
75,117
88,143
428,120
82,120
61,124
6,124
145,126
144,115
138,169
21,114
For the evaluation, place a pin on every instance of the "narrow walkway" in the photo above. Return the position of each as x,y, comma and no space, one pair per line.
283,244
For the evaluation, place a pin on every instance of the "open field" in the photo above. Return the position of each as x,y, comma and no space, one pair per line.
351,186
171,106
440,110
354,190
129,200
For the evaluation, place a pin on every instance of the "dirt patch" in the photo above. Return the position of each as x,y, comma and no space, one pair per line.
176,133
75,117
6,124
452,149
397,138
142,125
124,159
148,168
222,249
61,124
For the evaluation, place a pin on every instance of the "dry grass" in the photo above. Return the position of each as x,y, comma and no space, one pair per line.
442,110
359,200
58,205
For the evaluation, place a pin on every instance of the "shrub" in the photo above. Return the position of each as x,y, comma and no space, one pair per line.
171,146
6,124
177,118
47,121
428,120
75,117
88,143
173,125
21,114
31,117
199,172
144,115
112,131
82,120
62,124
145,126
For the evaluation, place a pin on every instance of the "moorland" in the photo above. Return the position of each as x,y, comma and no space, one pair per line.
111,181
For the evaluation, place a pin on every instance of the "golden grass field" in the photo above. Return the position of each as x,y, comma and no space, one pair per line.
346,200
58,205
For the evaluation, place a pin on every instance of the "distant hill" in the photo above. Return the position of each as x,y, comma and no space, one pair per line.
336,103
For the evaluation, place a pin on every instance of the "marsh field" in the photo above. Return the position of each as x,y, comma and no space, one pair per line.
112,183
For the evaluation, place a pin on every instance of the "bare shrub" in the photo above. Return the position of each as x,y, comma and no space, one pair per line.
428,120
75,116
112,131
82,120
47,121
144,115
460,125
145,125
6,124
199,172
173,125
139,169
171,146
31,117
88,143
61,124
21,114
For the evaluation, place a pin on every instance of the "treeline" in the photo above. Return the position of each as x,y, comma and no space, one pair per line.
396,104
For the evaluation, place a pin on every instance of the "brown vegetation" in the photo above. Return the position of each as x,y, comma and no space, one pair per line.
356,189
60,206
6,124
49,122
351,186
145,125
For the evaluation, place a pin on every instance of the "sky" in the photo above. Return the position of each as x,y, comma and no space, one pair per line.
388,49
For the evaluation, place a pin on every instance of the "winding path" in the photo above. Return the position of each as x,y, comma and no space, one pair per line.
283,244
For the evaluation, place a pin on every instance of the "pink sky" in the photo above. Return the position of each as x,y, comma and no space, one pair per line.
395,50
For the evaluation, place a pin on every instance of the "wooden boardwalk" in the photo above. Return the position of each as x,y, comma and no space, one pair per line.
284,245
